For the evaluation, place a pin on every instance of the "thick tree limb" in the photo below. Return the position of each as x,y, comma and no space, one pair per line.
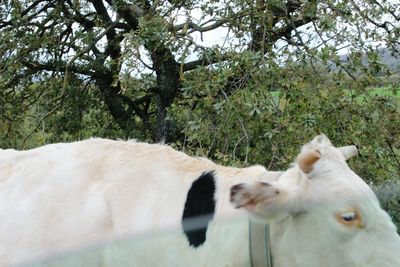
129,12
60,66
205,61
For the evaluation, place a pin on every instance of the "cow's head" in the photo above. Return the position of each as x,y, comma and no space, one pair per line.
322,211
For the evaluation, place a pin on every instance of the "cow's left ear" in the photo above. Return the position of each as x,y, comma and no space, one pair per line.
348,151
306,160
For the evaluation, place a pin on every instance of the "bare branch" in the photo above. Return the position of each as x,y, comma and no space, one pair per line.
383,25
85,50
191,25
204,61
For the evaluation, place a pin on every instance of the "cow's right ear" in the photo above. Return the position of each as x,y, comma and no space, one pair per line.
306,160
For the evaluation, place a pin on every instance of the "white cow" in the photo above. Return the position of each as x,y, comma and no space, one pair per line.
62,197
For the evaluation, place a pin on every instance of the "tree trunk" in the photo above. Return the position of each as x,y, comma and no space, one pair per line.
118,109
168,83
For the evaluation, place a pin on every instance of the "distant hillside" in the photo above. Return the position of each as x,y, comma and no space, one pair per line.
387,56
390,58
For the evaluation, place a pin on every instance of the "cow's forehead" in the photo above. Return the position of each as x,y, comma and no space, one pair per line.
338,177
331,176
344,188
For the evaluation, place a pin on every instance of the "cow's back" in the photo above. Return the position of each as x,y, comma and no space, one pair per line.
62,196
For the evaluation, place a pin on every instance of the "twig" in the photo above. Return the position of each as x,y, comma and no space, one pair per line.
83,51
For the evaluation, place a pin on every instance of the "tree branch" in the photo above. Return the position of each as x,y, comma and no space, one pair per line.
129,12
191,25
59,66
32,6
204,61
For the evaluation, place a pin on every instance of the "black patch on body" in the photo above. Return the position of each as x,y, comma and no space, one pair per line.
199,202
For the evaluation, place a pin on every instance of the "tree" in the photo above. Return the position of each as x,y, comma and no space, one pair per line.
144,69
136,55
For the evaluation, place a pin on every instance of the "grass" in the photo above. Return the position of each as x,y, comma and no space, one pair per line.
378,92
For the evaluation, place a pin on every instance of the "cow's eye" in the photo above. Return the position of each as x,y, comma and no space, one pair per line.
350,217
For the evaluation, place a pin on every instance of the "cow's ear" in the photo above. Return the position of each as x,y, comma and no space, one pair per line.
348,151
306,160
